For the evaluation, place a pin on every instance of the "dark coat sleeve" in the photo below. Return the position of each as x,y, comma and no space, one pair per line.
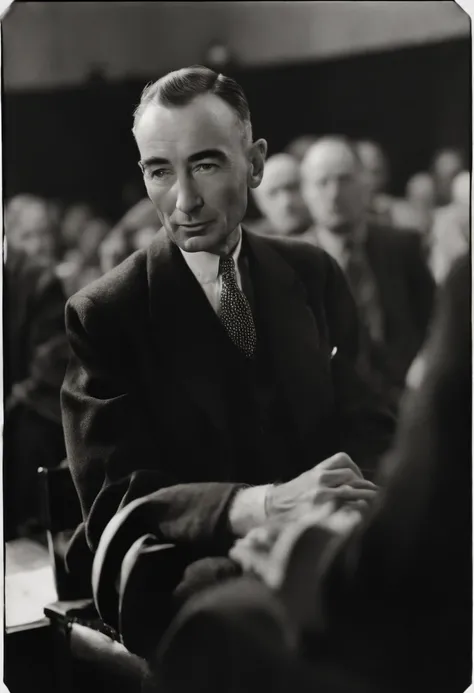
115,454
364,419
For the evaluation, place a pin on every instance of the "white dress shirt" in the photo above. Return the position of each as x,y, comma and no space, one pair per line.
248,508
205,267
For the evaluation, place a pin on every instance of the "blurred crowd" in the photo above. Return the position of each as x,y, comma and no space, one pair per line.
53,250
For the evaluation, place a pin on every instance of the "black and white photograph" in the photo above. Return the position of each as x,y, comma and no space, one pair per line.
237,349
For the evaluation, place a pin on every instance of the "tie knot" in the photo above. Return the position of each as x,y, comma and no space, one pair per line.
227,266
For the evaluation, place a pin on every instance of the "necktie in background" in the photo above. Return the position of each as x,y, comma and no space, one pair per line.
364,289
235,312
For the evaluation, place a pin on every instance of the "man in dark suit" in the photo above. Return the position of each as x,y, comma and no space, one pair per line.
379,605
36,353
385,267
213,360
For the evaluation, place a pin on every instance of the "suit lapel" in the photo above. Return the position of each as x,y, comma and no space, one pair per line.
179,312
302,367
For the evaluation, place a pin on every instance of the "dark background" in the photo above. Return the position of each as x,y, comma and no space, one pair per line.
76,143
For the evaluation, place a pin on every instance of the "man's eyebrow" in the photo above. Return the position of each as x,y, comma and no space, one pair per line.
207,154
203,154
154,161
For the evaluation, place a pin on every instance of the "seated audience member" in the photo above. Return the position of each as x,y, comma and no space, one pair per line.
120,242
35,354
450,235
30,226
144,237
446,165
81,264
415,212
383,604
74,221
298,147
376,172
213,363
279,200
385,268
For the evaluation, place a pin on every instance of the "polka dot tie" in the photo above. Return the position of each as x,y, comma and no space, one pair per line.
235,312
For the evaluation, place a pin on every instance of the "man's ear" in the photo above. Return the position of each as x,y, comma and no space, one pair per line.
256,155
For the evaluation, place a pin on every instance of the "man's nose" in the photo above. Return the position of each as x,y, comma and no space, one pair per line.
188,197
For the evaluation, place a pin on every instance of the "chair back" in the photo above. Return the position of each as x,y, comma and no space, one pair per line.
60,514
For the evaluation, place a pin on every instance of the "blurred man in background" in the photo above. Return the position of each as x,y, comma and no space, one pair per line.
73,223
30,225
121,241
446,165
80,263
450,235
279,199
298,147
376,171
385,267
415,211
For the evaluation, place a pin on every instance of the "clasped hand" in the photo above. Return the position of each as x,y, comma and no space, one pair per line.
333,495
336,479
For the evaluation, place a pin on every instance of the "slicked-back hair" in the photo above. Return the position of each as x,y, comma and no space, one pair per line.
180,87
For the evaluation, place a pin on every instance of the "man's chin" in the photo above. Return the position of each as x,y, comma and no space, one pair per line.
196,244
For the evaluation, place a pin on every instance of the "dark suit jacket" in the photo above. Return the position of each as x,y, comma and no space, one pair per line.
406,290
142,404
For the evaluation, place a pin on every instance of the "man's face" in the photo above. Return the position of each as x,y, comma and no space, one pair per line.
420,191
279,196
31,231
196,170
333,186
447,165
374,167
74,223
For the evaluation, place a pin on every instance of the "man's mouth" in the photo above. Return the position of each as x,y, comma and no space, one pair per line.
197,226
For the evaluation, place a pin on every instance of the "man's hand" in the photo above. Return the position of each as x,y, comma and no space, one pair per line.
337,480
266,550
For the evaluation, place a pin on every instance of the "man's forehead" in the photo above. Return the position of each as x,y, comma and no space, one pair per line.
206,120
328,157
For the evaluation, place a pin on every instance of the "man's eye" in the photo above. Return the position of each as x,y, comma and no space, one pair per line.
160,173
206,167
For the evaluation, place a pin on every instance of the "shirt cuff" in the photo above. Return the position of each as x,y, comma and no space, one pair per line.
248,509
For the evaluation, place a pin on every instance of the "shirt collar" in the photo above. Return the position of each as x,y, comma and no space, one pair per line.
205,266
